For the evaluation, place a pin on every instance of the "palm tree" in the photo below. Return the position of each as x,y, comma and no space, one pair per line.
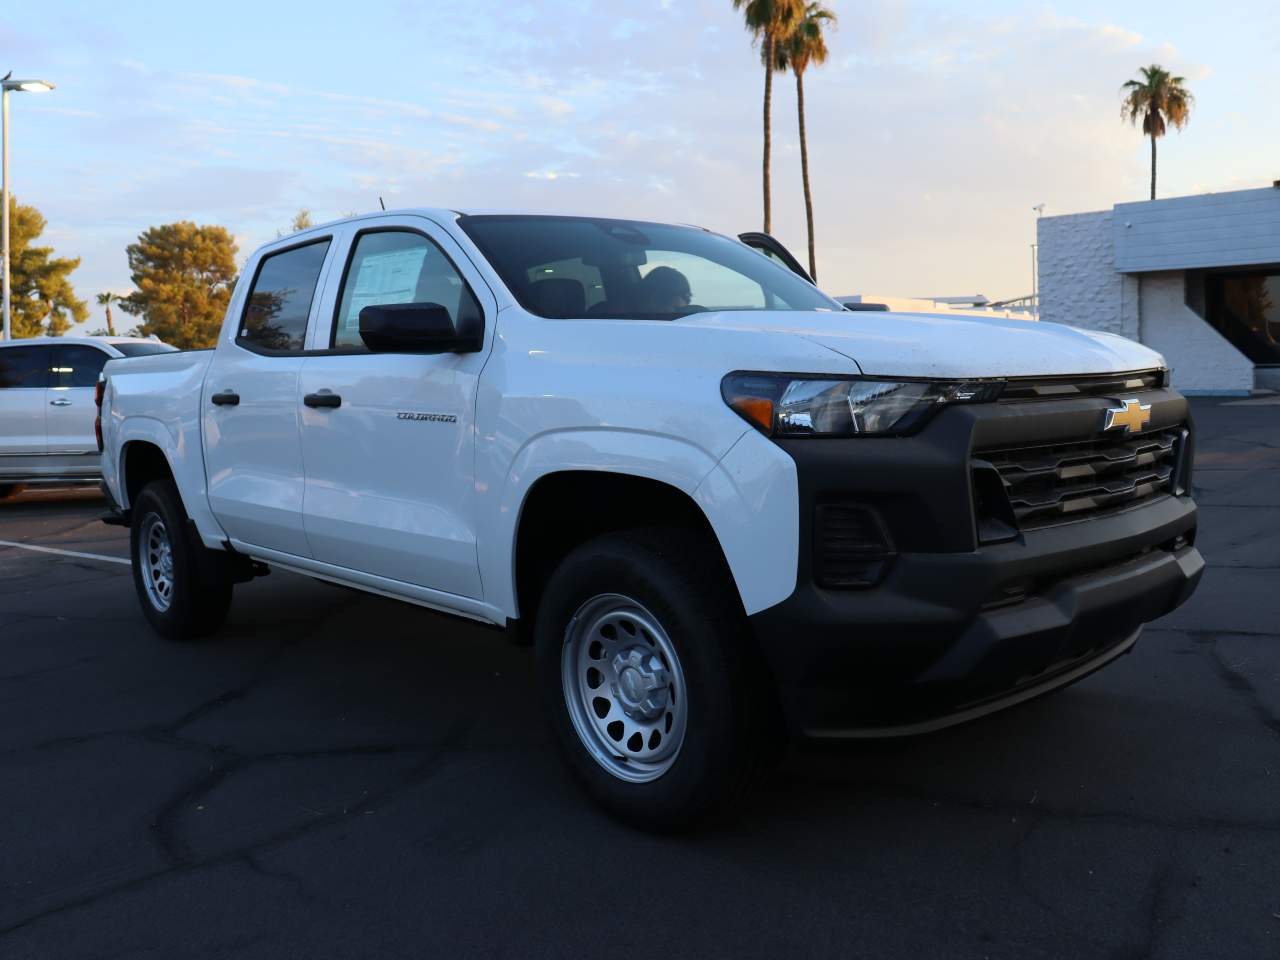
1159,99
768,20
105,300
803,47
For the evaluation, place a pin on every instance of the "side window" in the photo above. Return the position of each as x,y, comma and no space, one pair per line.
398,266
275,317
76,366
24,367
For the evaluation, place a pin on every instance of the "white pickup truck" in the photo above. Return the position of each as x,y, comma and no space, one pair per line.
717,504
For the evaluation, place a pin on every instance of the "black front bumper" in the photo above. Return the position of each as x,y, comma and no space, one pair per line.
955,628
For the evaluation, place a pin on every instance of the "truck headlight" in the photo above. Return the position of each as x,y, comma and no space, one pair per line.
785,405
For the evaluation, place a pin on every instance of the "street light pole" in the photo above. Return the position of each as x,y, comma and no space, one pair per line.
6,85
4,190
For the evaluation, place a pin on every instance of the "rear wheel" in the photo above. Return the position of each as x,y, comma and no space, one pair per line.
184,588
644,664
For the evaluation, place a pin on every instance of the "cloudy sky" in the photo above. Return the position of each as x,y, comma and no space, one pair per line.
934,128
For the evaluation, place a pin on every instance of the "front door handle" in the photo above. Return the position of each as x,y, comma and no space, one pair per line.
227,398
325,398
59,403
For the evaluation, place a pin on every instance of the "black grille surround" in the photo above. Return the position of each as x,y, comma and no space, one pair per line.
1023,389
1057,482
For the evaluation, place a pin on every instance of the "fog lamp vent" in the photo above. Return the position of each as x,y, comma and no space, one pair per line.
851,546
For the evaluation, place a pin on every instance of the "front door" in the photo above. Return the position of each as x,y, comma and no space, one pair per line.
24,375
71,408
390,487
250,406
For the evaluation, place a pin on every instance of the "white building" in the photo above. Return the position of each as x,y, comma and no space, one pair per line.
1197,278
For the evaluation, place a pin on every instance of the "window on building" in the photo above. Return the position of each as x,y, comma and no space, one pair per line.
1245,308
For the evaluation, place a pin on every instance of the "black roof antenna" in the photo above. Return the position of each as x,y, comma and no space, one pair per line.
381,204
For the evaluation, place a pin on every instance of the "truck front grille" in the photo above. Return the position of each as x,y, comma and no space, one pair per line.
1052,483
1022,389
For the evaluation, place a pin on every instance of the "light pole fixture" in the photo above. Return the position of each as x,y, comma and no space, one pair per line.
22,86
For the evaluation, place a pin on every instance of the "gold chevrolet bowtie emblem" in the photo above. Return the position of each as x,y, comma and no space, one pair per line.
1131,415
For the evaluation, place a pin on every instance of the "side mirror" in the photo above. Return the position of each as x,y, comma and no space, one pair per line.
413,328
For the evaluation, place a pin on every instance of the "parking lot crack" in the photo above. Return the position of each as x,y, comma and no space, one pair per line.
1156,908
1240,684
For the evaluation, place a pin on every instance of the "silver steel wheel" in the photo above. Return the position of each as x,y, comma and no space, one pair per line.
155,560
624,688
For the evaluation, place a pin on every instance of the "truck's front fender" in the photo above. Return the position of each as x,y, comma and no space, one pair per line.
749,498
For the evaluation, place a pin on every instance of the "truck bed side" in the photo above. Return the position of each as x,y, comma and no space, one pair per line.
152,406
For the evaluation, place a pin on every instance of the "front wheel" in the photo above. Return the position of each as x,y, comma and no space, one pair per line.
184,588
644,662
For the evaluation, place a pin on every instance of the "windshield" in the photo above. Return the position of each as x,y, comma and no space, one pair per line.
575,267
144,349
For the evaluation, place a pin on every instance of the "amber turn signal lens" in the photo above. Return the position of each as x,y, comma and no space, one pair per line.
758,410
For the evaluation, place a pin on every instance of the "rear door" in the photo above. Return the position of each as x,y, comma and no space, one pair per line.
253,454
771,248
24,377
69,418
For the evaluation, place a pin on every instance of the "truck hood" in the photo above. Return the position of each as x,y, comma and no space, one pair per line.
947,347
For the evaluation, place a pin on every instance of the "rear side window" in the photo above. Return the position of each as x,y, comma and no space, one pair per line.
275,317
144,349
24,367
76,366
398,266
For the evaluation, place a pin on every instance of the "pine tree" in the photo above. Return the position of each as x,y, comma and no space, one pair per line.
184,274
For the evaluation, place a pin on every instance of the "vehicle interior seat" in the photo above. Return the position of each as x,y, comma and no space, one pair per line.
558,297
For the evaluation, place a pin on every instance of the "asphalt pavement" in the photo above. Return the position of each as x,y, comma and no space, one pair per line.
339,775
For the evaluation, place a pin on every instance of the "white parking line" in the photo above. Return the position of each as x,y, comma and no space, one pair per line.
64,553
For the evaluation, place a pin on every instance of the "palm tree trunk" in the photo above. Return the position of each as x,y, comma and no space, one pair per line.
1153,166
768,109
111,327
804,173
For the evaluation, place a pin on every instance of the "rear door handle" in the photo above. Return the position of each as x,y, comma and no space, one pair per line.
59,403
227,398
325,398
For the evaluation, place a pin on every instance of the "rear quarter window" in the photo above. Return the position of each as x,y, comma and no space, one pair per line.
77,366
144,349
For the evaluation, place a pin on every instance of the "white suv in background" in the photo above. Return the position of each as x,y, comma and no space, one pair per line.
47,406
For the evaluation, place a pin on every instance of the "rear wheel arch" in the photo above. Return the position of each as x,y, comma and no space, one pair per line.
141,462
565,509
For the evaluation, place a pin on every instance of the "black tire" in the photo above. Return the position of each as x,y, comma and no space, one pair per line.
199,580
683,583
9,490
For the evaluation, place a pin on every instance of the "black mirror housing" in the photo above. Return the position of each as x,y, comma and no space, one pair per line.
415,328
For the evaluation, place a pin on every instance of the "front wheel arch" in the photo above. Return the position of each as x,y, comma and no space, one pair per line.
565,509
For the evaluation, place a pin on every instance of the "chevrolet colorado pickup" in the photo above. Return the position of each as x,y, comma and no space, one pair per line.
717,504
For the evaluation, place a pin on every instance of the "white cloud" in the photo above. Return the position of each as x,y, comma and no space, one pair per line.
932,130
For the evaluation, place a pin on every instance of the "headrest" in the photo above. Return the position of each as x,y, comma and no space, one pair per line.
558,297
